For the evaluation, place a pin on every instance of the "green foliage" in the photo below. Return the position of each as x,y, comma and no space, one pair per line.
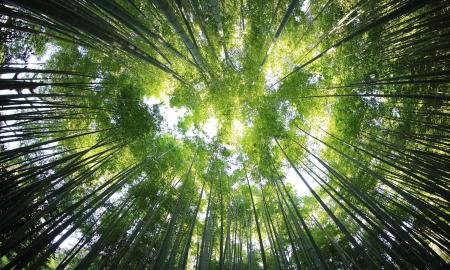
224,134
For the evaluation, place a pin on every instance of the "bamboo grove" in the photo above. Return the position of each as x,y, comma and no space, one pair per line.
331,147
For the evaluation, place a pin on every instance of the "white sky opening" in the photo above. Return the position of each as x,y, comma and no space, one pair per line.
171,115
210,128
70,241
232,163
315,147
305,6
292,178
271,78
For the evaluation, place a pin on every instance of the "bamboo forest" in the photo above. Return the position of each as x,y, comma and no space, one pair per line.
224,134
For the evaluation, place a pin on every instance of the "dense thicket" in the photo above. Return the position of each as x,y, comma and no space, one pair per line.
330,149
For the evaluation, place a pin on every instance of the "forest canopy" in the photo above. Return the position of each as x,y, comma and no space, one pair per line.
224,134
